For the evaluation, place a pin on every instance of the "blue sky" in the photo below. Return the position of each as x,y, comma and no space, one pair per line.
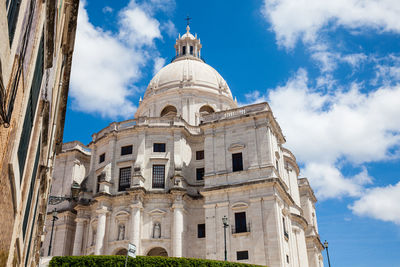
329,69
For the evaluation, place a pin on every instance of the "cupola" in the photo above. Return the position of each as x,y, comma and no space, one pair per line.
188,45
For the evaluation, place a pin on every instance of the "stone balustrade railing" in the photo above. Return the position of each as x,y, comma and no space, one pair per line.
234,113
148,121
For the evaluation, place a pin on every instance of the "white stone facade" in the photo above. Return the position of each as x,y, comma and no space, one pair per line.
218,160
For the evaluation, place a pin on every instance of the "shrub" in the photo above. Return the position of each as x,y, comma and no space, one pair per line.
147,261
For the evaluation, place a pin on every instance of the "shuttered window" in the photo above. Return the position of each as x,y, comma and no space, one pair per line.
12,17
30,194
30,110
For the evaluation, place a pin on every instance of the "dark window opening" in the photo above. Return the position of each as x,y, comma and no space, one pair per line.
126,150
199,174
284,228
200,155
287,258
237,162
158,176
158,147
201,230
169,111
98,183
184,50
242,255
240,223
191,50
102,157
124,178
277,166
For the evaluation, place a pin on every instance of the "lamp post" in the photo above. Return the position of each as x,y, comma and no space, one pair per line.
55,218
327,252
225,223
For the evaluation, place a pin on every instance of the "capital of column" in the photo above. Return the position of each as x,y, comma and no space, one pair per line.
177,206
137,205
102,210
81,220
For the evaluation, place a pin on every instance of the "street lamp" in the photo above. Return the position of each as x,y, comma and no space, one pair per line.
225,222
327,252
55,218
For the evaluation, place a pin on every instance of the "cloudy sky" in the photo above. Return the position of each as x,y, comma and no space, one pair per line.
329,69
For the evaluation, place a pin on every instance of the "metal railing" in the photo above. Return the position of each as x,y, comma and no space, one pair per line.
236,229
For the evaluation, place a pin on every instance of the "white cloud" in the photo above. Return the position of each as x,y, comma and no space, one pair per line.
106,65
159,62
292,20
138,28
102,71
107,9
170,29
380,203
325,129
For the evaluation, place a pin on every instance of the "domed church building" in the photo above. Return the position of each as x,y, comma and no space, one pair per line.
166,179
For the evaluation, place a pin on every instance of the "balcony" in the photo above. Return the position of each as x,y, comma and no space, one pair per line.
241,228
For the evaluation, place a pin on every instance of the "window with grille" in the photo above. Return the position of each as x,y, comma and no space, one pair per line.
200,155
124,178
201,230
240,222
237,162
102,157
158,176
126,150
242,255
158,147
199,174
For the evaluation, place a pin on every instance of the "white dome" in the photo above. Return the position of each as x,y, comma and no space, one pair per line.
188,72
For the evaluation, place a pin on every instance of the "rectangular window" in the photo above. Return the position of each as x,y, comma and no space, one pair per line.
201,230
199,174
191,50
126,150
158,176
240,222
242,255
284,228
287,258
184,50
30,110
159,147
124,178
277,166
12,18
200,155
237,162
102,157
98,183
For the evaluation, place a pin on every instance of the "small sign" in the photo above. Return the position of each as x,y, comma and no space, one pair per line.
132,250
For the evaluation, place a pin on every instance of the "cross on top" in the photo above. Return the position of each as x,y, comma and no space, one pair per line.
188,19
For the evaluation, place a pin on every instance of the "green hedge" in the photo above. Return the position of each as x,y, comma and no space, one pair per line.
138,261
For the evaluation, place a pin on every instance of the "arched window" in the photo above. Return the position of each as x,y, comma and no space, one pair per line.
168,111
205,110
122,251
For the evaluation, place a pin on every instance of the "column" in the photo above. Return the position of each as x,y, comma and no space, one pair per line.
135,225
77,250
101,230
178,229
